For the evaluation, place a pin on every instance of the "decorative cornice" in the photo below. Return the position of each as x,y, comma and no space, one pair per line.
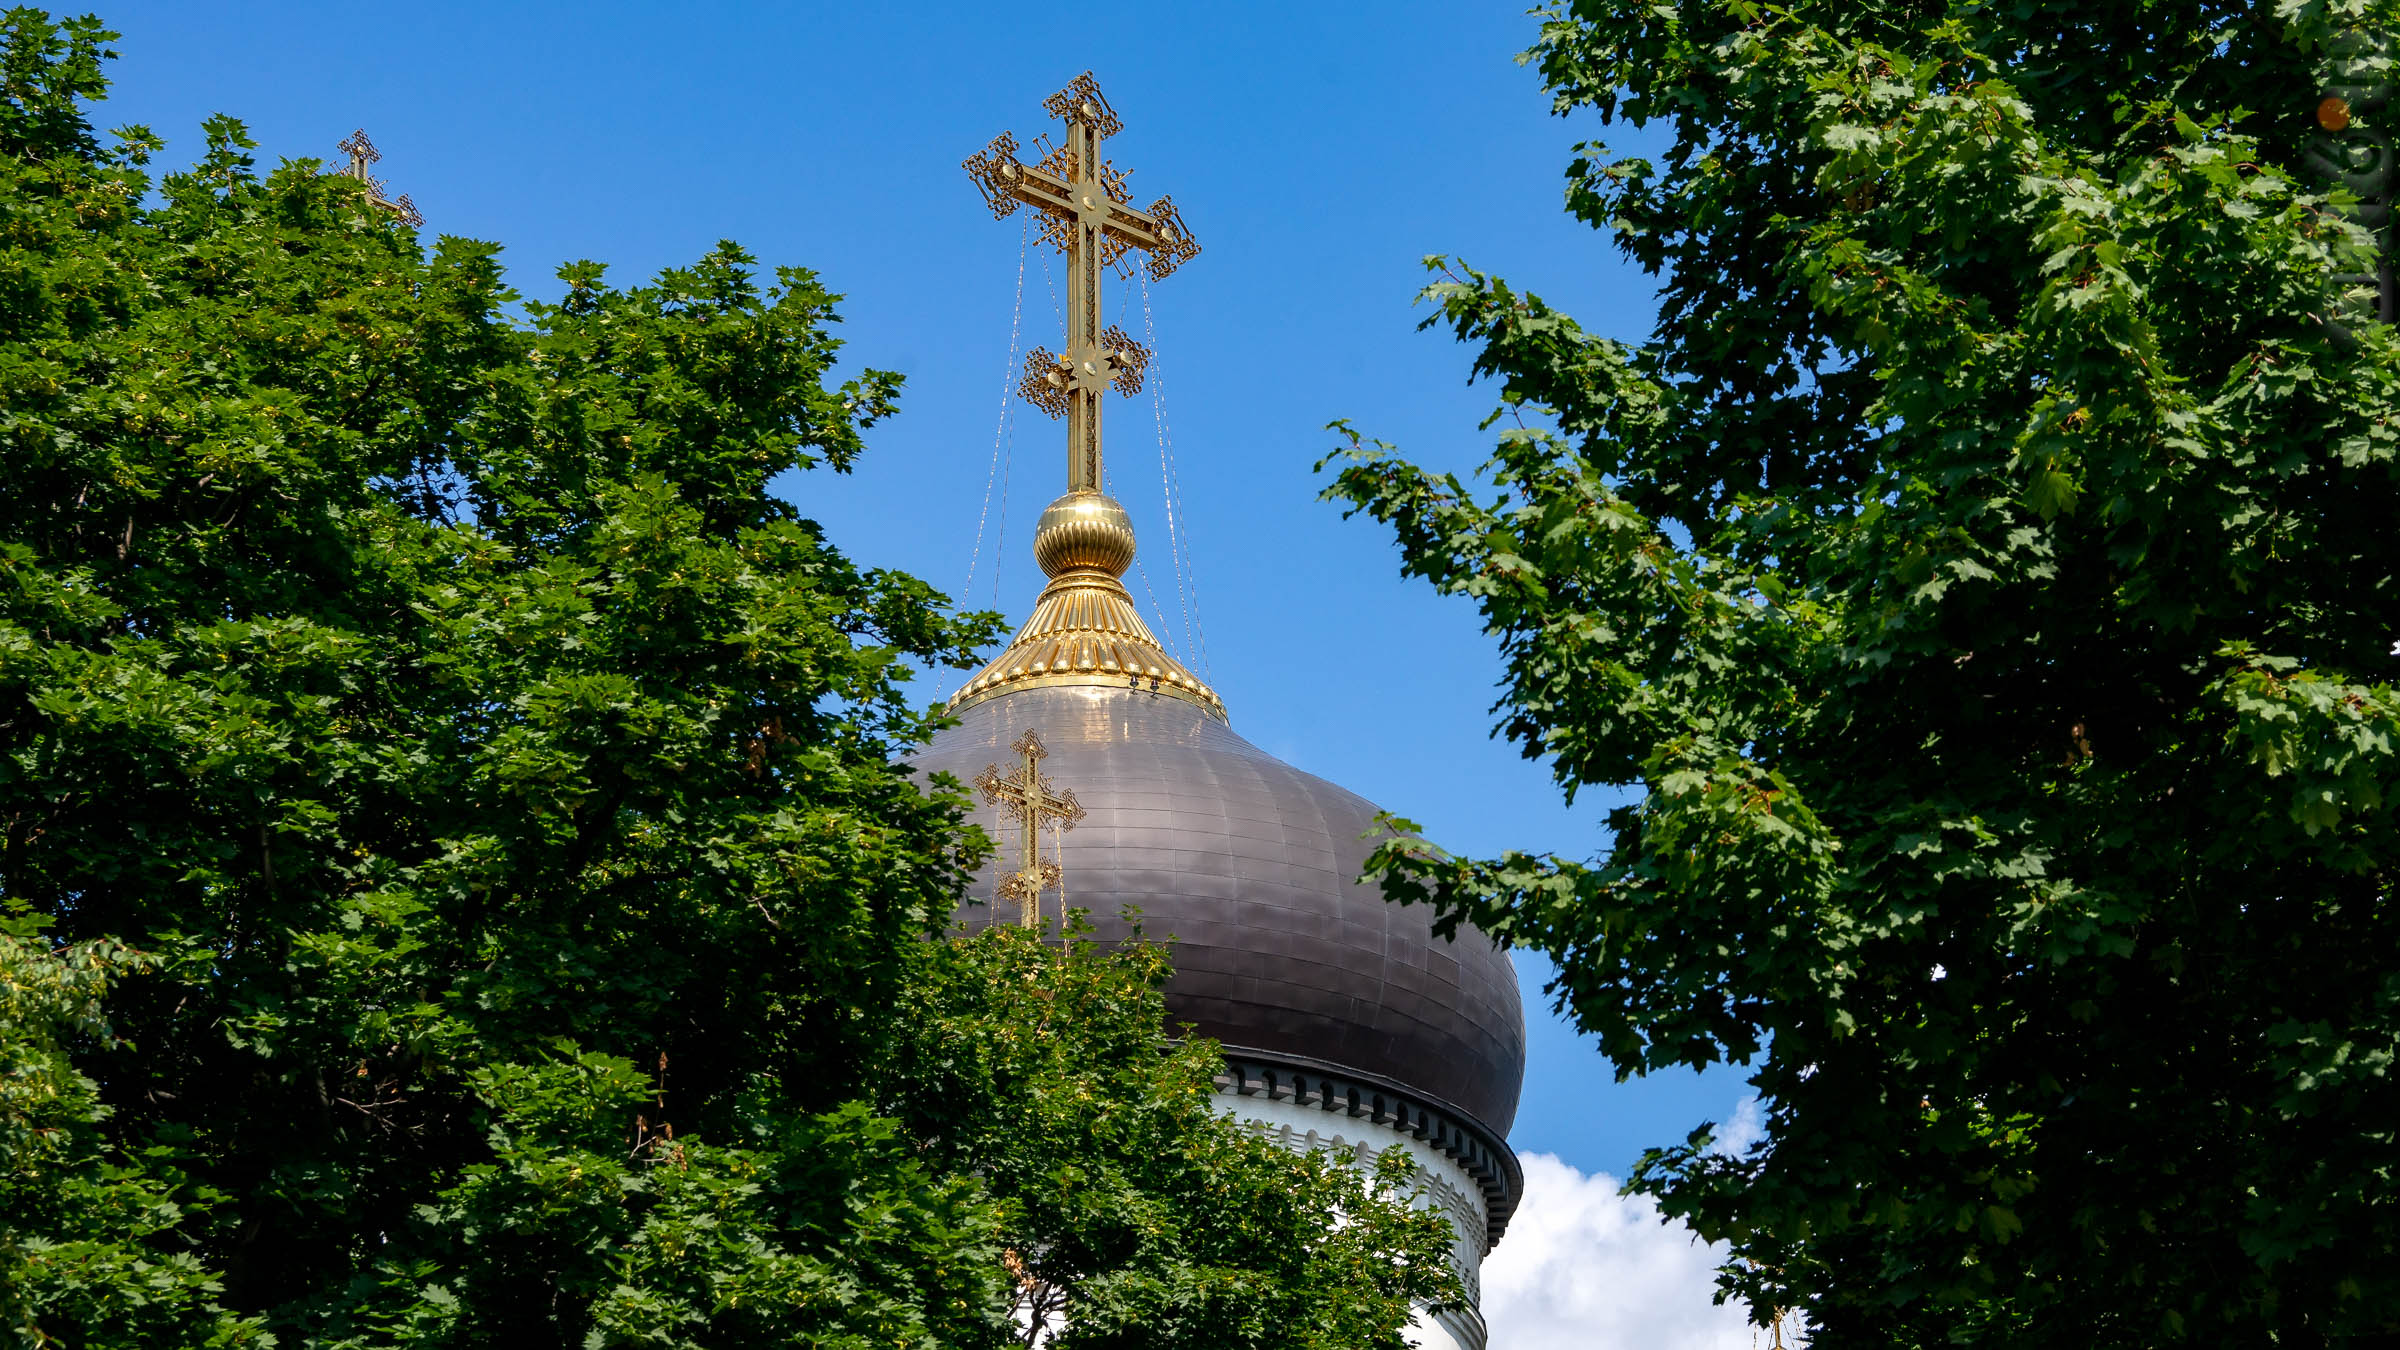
1475,1148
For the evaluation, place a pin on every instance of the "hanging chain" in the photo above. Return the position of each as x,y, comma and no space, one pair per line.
1058,315
1159,612
1187,585
1008,460
1000,431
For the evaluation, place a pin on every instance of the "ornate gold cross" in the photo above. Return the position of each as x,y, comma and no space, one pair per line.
1026,795
364,155
1084,204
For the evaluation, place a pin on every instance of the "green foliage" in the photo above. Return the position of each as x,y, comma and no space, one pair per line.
1985,572
88,1241
1152,1220
476,797
822,1231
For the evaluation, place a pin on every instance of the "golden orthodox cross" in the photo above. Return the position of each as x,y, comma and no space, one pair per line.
1086,215
363,156
1027,795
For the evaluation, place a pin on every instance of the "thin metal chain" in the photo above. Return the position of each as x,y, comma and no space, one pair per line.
1000,432
1187,585
1050,283
1056,312
1008,460
1159,612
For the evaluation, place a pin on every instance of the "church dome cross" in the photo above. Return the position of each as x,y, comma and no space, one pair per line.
1088,216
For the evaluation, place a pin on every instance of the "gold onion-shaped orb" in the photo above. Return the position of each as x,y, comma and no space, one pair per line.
1084,531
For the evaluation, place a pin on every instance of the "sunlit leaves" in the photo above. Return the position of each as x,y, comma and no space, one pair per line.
1983,581
538,936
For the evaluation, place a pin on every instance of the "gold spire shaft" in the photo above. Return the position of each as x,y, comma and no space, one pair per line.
1084,352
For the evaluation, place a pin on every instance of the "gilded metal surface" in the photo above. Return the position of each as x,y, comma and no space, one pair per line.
362,153
991,167
1026,796
1083,531
1086,214
1082,101
1085,629
1045,382
1175,245
1128,357
1051,381
363,156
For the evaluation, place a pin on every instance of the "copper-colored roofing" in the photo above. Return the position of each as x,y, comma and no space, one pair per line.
1252,867
1314,984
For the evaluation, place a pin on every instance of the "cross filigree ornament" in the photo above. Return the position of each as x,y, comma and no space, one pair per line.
1086,214
1027,795
363,156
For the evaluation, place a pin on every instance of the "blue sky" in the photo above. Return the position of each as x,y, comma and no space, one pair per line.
1318,153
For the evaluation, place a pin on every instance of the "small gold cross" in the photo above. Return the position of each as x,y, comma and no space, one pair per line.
1027,795
363,155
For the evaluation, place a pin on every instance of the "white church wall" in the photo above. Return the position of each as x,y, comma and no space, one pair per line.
1443,1185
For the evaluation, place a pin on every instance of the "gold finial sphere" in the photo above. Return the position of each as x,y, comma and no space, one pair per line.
1084,531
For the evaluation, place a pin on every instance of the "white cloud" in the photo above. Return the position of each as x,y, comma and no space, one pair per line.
1584,1268
1747,1127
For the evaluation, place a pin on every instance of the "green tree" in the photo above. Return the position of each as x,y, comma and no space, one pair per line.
461,890
81,1242
1984,578
1135,1209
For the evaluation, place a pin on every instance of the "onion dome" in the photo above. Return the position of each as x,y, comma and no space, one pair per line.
1346,1023
1321,991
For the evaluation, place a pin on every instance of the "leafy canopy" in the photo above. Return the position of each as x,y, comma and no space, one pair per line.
1985,576
460,889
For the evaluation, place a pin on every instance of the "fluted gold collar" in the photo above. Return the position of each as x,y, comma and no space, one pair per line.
1084,629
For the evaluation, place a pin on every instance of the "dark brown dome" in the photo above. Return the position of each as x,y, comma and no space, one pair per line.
1252,866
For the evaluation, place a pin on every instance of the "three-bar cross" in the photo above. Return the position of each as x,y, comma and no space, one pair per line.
1027,795
1086,215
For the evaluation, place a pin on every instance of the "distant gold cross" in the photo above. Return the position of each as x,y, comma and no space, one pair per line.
1026,795
1083,200
363,156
